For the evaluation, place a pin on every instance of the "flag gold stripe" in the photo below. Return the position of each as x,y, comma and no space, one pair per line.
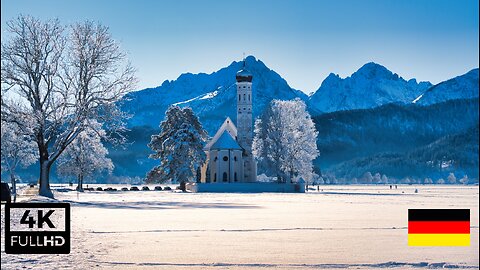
438,239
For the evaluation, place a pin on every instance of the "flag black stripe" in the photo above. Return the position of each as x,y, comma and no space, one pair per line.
438,214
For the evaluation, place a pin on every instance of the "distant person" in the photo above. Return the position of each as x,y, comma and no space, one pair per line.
318,188
390,186
395,186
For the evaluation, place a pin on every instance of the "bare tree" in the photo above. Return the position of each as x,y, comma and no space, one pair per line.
65,84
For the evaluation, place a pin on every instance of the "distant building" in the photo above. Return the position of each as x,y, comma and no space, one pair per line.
229,152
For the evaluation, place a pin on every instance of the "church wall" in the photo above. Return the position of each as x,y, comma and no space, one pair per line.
213,166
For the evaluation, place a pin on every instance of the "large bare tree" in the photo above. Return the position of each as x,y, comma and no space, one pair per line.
58,81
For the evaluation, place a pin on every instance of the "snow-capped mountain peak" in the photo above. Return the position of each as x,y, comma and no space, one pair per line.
373,70
460,87
211,96
370,86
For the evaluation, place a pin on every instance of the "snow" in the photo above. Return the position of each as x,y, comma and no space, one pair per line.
417,99
446,164
370,86
209,95
460,87
201,97
340,227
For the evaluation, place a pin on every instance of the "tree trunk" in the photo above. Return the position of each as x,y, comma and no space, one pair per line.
80,183
44,181
14,186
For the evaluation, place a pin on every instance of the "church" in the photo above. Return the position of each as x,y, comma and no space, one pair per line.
229,152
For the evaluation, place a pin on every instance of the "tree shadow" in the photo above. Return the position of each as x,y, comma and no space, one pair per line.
151,205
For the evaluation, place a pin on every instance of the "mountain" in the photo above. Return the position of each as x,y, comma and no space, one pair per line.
371,86
461,87
456,153
366,122
211,96
400,140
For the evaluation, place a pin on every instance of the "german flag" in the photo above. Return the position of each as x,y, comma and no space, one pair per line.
439,227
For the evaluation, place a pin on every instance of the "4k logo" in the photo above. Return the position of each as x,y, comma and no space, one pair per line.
41,219
37,228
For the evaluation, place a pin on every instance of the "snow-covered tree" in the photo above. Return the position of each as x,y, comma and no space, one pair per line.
441,181
385,179
367,178
17,149
428,181
452,179
58,81
285,140
464,180
320,181
85,157
179,147
377,178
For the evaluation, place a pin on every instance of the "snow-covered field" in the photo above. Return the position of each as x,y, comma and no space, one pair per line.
341,227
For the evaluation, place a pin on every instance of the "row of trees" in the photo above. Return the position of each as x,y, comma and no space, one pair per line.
377,178
59,82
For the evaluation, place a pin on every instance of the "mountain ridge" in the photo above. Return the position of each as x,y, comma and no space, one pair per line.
372,85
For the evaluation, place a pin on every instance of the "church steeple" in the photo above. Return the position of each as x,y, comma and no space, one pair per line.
245,120
244,75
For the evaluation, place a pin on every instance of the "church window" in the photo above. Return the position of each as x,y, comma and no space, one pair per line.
225,158
244,97
239,97
225,177
248,97
235,158
215,177
235,177
244,86
215,159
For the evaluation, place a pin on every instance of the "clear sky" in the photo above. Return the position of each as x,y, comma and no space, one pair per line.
302,40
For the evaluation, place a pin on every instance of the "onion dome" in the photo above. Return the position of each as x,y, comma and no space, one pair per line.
244,75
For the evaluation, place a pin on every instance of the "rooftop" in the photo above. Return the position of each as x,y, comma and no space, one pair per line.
226,141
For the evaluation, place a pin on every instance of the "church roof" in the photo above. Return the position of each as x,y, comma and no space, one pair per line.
226,141
226,126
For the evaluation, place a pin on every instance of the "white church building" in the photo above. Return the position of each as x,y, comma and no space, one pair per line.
229,152
230,166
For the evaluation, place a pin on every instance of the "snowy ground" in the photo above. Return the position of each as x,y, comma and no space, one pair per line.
354,227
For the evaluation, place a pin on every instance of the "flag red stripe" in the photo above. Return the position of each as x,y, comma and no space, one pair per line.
437,227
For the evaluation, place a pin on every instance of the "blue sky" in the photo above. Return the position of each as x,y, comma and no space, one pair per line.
302,40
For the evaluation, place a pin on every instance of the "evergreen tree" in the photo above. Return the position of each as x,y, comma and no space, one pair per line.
179,147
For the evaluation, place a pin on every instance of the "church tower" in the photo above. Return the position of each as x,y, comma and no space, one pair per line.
245,122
